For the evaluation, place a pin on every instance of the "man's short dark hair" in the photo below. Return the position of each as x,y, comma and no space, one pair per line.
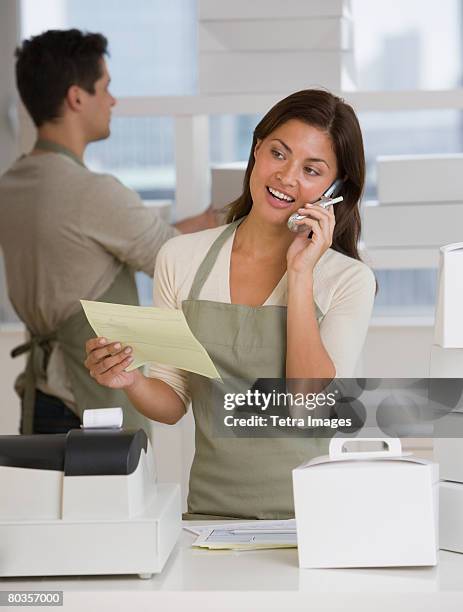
49,64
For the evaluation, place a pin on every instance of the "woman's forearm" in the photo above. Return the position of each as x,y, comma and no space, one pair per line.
155,399
306,357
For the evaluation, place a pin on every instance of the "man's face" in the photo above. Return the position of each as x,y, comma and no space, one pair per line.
96,110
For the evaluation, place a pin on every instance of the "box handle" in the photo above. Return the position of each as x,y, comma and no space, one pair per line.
337,444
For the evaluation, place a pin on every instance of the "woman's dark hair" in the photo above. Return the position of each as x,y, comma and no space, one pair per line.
49,64
337,119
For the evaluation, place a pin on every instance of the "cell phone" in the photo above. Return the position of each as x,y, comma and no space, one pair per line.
333,190
328,198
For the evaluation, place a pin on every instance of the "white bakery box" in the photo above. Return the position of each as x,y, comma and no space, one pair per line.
448,451
366,508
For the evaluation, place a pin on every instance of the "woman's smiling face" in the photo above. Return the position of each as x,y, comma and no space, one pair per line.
294,165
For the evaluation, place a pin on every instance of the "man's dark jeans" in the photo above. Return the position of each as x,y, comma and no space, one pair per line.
51,415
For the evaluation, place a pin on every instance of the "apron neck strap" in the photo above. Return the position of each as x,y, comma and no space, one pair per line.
210,259
54,147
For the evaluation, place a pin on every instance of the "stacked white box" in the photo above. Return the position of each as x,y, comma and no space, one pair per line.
448,452
447,363
413,208
320,34
226,183
403,179
271,9
412,225
448,327
267,46
451,516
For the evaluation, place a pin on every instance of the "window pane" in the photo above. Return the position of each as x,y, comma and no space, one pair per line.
408,132
145,288
405,292
140,152
408,45
152,43
231,137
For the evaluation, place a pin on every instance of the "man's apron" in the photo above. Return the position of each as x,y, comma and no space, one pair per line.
239,477
72,335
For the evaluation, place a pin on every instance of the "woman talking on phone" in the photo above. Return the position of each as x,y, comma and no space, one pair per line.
264,301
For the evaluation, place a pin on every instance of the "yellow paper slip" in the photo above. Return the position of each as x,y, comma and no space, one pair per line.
155,334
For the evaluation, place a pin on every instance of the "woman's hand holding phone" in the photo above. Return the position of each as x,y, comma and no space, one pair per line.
304,252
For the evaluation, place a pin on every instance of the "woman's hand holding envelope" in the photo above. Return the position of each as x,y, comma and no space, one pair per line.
106,362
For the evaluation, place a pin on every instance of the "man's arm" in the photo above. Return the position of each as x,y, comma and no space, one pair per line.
205,220
115,217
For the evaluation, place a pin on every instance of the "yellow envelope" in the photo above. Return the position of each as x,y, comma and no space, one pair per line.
155,334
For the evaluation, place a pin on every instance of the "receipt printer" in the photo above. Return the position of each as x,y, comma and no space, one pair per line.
84,503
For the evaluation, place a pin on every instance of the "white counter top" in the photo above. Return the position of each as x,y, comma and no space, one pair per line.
254,580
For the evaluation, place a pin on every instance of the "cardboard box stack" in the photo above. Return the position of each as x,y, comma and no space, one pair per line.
414,208
447,362
265,46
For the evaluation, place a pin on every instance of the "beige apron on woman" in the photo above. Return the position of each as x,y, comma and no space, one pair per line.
239,477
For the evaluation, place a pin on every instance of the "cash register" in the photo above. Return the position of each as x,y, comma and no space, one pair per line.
84,503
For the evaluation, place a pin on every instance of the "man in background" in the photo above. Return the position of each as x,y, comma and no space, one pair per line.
68,233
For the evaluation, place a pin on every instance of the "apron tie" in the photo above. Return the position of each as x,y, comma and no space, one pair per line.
39,349
71,336
36,340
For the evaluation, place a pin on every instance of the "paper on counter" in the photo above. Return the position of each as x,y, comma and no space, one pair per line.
193,528
155,334
250,535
